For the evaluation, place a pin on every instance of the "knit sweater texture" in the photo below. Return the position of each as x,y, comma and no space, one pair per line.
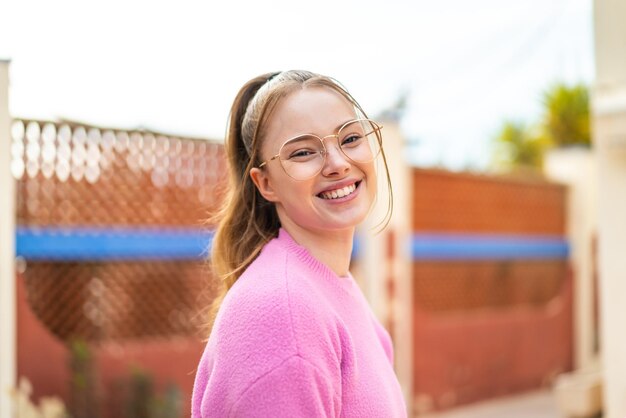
293,339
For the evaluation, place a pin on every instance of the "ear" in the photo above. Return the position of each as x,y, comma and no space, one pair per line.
263,183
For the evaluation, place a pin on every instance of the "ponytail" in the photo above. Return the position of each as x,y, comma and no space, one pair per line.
246,220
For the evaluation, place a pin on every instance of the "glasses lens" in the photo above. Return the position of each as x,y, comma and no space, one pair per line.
360,140
302,157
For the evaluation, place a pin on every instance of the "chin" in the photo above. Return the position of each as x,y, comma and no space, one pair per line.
346,222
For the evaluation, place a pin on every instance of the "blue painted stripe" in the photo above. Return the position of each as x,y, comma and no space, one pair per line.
356,247
80,244
437,246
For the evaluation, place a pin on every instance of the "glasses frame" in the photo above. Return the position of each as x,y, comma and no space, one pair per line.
377,127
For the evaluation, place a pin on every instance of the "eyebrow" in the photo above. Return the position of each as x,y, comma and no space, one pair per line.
311,133
334,130
343,123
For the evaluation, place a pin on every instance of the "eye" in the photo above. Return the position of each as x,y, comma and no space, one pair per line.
302,154
301,149
351,140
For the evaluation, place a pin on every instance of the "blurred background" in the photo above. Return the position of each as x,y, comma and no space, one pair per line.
498,278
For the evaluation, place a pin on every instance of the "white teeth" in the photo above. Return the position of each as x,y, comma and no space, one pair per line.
335,194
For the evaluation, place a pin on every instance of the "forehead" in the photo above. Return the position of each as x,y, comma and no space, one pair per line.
317,110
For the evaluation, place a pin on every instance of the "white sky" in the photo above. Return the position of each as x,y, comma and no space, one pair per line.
176,66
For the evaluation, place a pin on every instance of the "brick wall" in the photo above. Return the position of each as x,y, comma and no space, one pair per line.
487,327
445,201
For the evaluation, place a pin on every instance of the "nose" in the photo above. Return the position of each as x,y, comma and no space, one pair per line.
335,162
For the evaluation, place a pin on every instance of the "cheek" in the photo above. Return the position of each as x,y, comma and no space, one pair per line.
296,194
371,171
372,180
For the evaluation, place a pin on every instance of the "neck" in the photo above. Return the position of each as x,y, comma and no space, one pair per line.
333,248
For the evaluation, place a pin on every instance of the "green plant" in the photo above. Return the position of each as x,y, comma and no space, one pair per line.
141,394
169,405
566,115
518,146
142,401
84,391
565,122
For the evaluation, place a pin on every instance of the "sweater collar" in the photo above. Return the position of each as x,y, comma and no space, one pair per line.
316,266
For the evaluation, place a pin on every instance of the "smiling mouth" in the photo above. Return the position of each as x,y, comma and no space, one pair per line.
339,193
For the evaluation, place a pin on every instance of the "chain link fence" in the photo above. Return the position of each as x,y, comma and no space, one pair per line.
72,176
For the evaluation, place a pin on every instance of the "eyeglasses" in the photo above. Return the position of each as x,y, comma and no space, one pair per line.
304,156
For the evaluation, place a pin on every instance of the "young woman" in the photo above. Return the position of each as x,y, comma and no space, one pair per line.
294,335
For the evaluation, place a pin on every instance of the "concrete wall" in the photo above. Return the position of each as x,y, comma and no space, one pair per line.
609,121
7,249
383,268
576,168
610,43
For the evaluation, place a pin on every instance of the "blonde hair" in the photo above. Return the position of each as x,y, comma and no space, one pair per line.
247,221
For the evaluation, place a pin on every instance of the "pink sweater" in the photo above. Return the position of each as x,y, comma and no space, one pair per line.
293,339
